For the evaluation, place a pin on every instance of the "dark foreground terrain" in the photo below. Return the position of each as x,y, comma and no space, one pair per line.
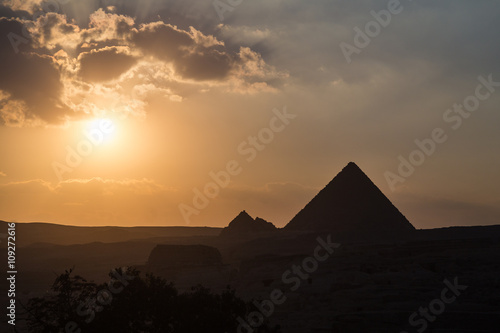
441,280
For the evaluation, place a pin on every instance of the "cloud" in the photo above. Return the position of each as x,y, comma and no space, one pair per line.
30,83
93,201
244,35
24,5
3,174
251,74
8,12
105,64
146,90
63,72
196,56
192,55
53,32
107,27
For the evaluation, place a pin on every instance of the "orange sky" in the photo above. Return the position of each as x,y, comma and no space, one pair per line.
119,114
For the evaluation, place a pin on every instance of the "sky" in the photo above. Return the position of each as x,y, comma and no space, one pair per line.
187,112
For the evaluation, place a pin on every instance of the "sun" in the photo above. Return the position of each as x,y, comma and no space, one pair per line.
101,131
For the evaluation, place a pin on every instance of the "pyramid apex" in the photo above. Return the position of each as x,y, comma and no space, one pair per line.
351,166
244,213
242,217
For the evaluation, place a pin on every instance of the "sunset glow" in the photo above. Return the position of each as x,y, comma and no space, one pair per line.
127,109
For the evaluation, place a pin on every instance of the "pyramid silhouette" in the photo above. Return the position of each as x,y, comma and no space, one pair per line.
351,204
244,224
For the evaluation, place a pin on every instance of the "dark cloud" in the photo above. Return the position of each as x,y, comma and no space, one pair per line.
105,64
162,40
453,39
203,59
8,12
30,79
208,65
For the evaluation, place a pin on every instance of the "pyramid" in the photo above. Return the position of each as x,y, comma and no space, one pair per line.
351,204
245,225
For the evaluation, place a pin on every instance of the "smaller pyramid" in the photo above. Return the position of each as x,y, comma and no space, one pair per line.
351,204
245,225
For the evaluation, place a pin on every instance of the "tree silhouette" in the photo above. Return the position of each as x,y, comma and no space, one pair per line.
135,304
51,313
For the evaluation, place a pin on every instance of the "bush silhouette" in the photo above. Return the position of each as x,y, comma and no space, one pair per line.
139,304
